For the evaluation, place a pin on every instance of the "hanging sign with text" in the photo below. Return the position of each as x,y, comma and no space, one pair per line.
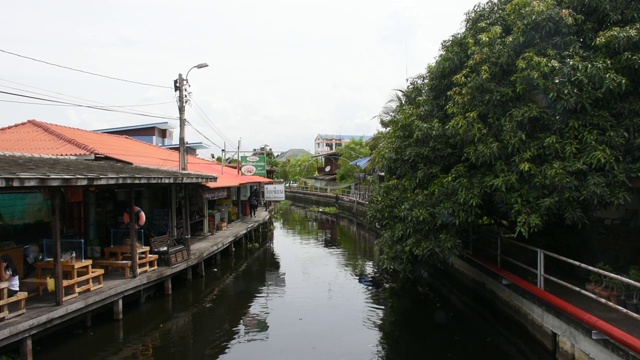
214,194
274,192
253,165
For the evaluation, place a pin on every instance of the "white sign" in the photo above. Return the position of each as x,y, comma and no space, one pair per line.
274,192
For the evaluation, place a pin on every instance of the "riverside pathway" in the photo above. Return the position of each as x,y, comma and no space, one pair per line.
42,312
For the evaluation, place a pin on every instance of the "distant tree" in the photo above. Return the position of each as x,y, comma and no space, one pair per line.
527,120
294,169
350,151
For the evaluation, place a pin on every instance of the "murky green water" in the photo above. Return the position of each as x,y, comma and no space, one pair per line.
306,295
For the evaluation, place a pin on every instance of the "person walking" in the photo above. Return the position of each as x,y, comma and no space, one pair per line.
253,205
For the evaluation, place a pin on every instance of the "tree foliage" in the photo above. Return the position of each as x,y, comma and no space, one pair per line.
350,151
294,169
528,118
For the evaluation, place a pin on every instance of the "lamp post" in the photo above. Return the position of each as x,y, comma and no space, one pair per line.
178,85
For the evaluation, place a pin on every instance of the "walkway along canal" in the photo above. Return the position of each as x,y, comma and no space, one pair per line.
43,315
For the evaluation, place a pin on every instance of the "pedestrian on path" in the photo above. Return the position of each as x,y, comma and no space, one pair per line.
253,206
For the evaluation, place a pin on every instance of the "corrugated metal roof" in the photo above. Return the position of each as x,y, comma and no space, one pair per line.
28,170
362,162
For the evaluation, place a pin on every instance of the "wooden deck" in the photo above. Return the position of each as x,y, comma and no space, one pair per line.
42,312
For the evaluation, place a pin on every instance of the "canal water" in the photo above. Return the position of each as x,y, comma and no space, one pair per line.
310,293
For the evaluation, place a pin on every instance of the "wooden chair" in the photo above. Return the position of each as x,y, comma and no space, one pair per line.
168,250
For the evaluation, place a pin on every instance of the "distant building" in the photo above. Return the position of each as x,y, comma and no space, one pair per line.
160,134
326,143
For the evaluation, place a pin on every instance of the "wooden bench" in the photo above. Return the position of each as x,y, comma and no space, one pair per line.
68,284
168,250
121,264
20,298
145,264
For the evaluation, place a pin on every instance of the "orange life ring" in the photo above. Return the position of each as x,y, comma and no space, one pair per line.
140,215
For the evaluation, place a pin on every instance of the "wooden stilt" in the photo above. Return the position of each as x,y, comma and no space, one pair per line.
117,309
26,348
167,286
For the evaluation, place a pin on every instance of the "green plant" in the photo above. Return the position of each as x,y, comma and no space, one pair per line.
634,275
598,278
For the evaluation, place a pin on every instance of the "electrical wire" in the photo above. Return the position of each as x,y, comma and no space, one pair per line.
65,96
103,108
203,135
83,71
209,122
194,105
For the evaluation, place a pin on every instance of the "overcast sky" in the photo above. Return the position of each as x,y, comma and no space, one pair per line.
280,72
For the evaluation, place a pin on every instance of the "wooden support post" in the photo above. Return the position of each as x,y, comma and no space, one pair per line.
87,320
117,309
142,298
218,258
119,330
201,268
189,274
167,286
26,348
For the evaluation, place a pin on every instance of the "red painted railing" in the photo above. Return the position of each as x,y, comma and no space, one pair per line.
594,322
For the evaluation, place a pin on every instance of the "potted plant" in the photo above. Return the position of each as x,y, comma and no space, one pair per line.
634,275
603,290
594,281
616,294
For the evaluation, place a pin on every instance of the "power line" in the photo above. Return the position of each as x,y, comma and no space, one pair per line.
103,108
64,97
83,71
209,122
203,135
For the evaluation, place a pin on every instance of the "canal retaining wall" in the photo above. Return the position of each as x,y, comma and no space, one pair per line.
348,207
559,334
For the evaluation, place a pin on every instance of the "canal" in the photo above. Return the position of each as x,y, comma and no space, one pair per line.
310,293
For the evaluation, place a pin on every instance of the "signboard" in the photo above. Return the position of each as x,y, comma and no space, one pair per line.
214,194
274,192
253,165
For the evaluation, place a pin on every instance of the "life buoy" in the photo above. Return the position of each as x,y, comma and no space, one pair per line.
139,214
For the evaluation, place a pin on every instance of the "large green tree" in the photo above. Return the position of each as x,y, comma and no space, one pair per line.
528,119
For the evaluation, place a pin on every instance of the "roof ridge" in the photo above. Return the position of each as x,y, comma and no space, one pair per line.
46,128
21,154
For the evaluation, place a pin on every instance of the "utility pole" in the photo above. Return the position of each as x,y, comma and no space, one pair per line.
178,85
238,164
224,151
181,110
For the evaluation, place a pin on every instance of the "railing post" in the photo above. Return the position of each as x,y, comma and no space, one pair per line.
540,269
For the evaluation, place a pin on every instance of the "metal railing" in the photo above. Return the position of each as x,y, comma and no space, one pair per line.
538,269
346,193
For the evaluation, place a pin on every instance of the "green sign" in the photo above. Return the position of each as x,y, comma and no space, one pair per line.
253,165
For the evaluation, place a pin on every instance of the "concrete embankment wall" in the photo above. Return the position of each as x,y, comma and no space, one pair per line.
348,208
556,332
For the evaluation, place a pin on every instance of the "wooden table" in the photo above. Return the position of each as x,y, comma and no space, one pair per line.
120,256
75,272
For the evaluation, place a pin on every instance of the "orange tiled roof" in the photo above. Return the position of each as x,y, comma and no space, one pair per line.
37,137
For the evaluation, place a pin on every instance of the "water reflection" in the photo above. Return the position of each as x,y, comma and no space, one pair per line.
312,293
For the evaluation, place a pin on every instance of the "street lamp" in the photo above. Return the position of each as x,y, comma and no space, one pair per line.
178,85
